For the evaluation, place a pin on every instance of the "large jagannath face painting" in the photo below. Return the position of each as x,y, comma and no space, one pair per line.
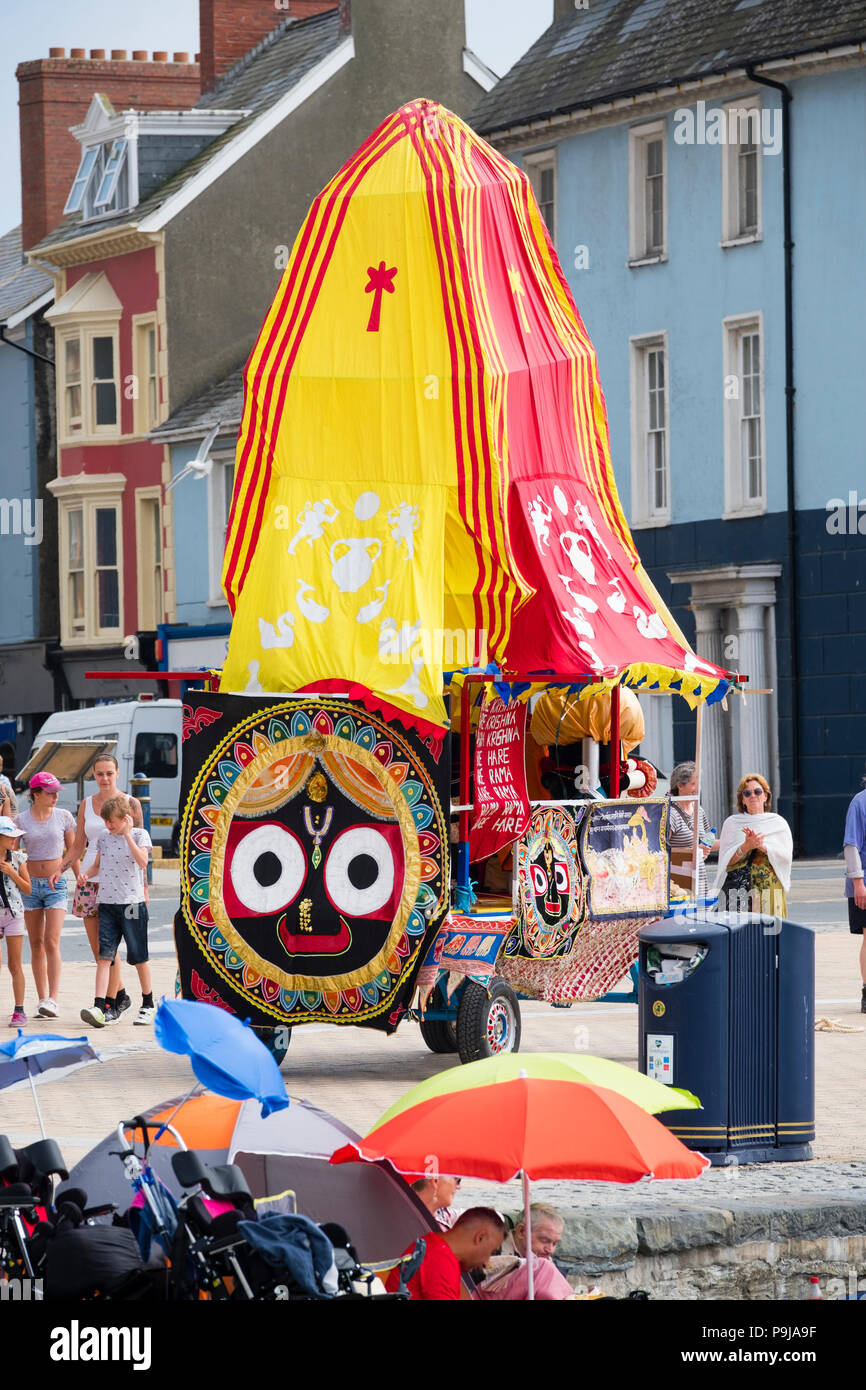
313,838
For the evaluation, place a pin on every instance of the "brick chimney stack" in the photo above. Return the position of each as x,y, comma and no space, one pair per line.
54,93
228,29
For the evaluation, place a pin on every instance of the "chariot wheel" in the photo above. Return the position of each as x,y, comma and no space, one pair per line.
488,1022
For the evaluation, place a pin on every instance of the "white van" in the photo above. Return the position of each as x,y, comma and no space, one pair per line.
147,734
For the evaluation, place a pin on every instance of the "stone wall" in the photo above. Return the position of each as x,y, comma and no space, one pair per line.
755,1251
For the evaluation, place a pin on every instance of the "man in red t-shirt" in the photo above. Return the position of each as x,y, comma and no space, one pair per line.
468,1245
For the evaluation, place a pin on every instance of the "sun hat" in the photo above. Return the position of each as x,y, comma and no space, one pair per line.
8,826
44,782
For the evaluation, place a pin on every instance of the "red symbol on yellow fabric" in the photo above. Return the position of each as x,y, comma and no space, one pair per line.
518,291
380,279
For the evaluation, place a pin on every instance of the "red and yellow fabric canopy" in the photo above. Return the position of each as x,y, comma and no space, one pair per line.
423,472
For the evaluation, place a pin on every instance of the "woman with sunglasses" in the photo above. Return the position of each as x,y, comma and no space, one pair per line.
755,853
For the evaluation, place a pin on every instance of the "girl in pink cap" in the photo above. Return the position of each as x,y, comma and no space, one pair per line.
48,833
14,880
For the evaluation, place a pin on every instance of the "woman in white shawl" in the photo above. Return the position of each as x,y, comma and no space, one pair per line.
755,853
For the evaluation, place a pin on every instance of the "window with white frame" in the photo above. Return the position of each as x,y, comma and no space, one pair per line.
89,389
146,373
541,172
72,388
221,483
91,559
649,431
745,473
741,172
150,559
101,184
648,193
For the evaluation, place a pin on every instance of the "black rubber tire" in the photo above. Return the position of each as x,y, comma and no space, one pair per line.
487,1023
277,1049
440,1035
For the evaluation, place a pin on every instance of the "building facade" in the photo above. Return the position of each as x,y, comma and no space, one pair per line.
29,625
704,194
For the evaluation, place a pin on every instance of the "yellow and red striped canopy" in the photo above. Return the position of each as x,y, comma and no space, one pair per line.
423,475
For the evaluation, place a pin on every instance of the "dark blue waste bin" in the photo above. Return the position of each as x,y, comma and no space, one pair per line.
726,1004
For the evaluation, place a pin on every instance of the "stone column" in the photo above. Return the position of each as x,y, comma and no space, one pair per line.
715,789
754,750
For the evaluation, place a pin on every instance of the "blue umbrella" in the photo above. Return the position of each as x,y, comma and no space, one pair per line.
26,1060
226,1055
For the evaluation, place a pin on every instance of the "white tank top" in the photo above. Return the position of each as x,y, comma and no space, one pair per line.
94,827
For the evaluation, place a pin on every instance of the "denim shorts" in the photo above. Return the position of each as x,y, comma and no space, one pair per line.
123,922
43,895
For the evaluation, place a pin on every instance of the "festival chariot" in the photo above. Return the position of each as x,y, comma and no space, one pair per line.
407,793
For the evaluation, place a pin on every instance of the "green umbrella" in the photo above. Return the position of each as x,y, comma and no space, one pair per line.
550,1066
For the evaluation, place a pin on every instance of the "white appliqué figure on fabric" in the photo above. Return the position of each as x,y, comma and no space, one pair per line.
351,569
280,635
616,601
584,518
312,519
412,686
694,663
650,626
397,643
576,617
593,655
540,515
313,612
372,609
584,601
404,522
573,543
253,685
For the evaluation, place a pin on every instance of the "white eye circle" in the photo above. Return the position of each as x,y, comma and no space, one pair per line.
268,868
561,876
359,871
539,879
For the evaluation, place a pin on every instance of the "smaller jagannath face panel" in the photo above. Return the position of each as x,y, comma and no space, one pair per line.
551,884
550,881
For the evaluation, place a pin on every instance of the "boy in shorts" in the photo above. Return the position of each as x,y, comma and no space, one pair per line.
119,866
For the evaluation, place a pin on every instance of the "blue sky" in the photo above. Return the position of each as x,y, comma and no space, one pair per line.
497,30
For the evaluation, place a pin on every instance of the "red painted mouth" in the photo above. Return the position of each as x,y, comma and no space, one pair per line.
297,943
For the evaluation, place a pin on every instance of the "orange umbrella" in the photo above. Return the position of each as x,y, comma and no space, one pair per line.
545,1129
531,1125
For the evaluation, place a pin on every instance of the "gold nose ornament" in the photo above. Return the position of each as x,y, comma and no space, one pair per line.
317,787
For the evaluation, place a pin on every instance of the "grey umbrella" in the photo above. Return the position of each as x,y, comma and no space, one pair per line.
289,1150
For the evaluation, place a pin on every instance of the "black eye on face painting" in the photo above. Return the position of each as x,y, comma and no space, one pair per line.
268,868
360,871
561,876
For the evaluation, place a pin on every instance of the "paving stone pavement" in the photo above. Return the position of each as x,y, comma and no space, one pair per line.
357,1074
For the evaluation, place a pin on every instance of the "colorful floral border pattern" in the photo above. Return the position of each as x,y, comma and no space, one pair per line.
247,741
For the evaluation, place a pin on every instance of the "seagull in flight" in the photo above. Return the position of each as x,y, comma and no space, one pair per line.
201,465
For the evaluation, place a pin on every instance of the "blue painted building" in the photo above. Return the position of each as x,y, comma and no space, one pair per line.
28,555
702,176
198,636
